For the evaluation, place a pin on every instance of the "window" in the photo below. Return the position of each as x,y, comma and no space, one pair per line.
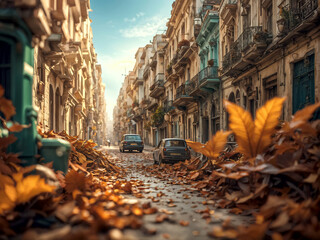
269,13
270,86
175,143
133,137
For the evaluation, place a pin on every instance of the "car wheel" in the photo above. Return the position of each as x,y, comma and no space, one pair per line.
120,150
160,160
154,160
140,151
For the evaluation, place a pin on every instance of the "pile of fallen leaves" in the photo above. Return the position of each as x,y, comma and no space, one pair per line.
83,153
277,179
38,203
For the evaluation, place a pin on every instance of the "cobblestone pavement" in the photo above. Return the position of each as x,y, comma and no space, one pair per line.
182,204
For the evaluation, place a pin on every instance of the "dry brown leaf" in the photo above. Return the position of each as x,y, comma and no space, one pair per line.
1,91
75,181
303,115
184,223
7,108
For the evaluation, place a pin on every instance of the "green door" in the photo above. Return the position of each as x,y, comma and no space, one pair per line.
303,83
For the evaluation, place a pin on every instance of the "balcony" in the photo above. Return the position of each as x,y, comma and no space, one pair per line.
296,19
157,89
138,113
245,51
192,87
182,98
139,79
154,61
145,101
228,9
60,10
152,104
208,79
182,57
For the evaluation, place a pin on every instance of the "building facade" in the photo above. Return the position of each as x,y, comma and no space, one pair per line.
244,51
67,86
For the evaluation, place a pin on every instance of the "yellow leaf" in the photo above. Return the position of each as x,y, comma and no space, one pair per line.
82,158
5,202
11,192
241,123
196,146
267,118
30,187
213,147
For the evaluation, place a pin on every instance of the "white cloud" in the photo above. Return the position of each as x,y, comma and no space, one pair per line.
148,27
130,20
140,14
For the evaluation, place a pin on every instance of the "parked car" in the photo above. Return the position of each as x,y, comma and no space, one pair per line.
171,150
131,142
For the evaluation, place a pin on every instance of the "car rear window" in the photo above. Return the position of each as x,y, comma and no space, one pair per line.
175,143
132,137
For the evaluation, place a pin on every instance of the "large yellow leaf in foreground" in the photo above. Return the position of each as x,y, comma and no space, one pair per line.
241,123
254,137
267,118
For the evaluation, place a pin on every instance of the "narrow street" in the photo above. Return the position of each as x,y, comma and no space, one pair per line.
183,213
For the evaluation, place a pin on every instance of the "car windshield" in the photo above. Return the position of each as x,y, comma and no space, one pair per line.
132,137
175,143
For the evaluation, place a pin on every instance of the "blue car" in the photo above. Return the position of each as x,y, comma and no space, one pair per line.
131,142
171,150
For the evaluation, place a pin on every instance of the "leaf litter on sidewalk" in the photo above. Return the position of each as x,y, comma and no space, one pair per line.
272,175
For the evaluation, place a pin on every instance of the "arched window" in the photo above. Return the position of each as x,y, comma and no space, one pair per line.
238,97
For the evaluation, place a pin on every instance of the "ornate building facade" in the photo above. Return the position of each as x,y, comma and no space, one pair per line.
244,51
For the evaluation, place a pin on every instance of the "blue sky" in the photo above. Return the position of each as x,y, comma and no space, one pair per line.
119,29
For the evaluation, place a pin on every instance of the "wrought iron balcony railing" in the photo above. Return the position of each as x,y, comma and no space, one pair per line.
248,37
208,73
181,91
193,84
294,14
158,81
